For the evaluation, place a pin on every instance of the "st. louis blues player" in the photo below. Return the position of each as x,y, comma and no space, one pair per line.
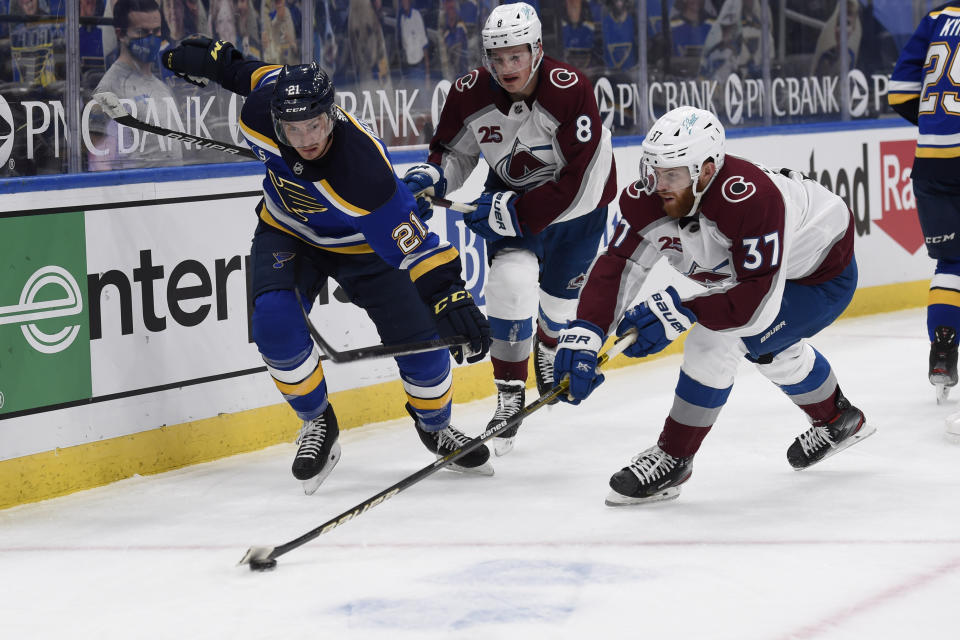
923,89
776,252
544,207
333,208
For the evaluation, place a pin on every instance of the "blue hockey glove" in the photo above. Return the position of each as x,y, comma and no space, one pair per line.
659,320
458,315
494,216
425,179
577,349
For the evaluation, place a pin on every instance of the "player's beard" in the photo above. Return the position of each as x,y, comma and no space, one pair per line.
677,204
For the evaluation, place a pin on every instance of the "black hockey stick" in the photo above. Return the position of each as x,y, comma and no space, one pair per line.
379,350
112,106
265,558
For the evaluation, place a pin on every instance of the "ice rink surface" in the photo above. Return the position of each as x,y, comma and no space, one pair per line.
864,545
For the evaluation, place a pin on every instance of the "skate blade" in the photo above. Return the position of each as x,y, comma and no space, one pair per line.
311,485
866,430
615,499
943,392
502,446
485,469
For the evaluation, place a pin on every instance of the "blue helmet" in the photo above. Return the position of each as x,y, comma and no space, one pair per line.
301,92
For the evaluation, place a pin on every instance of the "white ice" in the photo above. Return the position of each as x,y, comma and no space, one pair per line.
864,545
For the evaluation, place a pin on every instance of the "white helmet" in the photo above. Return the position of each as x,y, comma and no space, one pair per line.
683,137
510,25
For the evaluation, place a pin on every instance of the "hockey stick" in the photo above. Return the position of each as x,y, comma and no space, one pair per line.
112,106
265,558
459,207
379,350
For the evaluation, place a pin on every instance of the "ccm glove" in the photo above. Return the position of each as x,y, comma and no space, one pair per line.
425,179
659,320
494,217
577,349
458,315
199,59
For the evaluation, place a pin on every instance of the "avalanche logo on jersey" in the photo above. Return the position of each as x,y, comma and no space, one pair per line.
708,277
521,167
466,82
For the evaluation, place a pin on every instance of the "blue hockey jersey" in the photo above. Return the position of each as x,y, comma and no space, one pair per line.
923,89
347,201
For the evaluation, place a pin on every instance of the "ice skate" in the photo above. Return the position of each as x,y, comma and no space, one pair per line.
448,440
822,440
652,476
943,361
319,450
511,395
543,357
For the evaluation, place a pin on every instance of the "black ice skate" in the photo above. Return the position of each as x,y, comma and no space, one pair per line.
446,441
319,451
543,357
652,476
943,361
511,394
822,440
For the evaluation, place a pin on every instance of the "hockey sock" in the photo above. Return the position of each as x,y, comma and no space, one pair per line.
943,302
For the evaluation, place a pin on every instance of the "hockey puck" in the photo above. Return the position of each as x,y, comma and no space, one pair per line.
267,564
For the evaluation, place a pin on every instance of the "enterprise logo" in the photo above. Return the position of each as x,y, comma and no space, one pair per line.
28,310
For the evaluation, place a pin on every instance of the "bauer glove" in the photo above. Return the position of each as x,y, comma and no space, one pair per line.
577,349
495,216
659,320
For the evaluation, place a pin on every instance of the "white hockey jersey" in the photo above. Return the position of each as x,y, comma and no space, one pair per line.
757,229
552,149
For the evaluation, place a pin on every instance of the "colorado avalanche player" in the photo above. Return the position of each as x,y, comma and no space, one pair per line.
544,207
333,208
775,251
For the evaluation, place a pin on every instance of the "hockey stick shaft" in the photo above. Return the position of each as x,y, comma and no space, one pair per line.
459,207
375,351
261,554
112,106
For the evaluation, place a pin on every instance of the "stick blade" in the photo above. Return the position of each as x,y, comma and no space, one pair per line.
110,104
256,554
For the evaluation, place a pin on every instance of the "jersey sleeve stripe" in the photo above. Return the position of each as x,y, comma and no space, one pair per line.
258,139
264,75
431,262
943,296
949,11
938,152
900,98
352,210
314,241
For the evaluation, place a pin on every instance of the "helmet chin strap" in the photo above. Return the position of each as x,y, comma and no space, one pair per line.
698,195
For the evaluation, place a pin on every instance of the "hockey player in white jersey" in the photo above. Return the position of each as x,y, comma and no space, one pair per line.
544,206
774,251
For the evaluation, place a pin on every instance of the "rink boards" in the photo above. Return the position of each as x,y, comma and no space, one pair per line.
124,318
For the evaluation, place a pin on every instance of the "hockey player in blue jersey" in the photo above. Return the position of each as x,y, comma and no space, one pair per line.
923,89
332,207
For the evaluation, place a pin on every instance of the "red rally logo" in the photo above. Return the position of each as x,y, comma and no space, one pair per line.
899,219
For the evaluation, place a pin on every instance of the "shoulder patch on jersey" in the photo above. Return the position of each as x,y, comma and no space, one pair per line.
467,82
563,78
736,189
634,190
